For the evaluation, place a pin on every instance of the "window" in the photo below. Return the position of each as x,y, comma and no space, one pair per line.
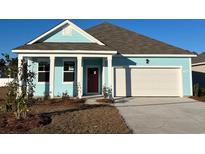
68,71
43,71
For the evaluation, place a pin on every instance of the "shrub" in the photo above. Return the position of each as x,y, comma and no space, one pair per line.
65,95
105,92
198,90
20,95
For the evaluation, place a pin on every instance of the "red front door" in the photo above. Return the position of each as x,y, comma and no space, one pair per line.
92,78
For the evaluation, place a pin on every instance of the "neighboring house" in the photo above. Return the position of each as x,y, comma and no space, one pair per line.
198,70
129,64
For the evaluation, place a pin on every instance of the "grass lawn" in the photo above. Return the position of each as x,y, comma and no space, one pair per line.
65,118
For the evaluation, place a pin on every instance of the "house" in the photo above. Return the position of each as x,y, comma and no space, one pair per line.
81,62
198,69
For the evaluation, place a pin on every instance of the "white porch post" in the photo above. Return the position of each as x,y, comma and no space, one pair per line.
20,58
28,69
79,76
103,73
51,76
110,73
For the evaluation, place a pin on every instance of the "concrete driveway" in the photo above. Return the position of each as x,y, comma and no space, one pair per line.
162,114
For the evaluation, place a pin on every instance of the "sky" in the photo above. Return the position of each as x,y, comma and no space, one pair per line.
186,34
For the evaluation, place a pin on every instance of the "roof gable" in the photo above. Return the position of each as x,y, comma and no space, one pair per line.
56,34
66,34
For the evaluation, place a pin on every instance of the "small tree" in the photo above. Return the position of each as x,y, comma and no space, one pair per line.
8,65
20,91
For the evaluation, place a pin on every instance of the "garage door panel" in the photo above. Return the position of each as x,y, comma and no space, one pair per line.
150,82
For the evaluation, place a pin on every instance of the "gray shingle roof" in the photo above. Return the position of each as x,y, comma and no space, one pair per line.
115,39
199,59
64,46
128,42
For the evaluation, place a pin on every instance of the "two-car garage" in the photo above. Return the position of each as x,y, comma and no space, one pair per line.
148,81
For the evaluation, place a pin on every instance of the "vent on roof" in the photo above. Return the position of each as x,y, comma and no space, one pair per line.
67,31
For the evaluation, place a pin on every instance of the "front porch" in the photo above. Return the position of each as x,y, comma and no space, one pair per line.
76,75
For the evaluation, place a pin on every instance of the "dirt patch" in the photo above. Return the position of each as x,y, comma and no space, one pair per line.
202,98
92,119
55,105
9,124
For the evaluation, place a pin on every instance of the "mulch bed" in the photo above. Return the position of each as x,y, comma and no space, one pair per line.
201,98
60,101
89,119
47,106
9,124
66,116
104,100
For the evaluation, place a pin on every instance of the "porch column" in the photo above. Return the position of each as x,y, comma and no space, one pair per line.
79,76
20,58
110,73
103,73
28,69
51,76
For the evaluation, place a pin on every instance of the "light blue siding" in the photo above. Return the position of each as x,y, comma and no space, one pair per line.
75,37
59,86
141,61
40,89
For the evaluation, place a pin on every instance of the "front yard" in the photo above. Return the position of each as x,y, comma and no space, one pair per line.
60,116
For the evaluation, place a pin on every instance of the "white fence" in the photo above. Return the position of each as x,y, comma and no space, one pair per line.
4,81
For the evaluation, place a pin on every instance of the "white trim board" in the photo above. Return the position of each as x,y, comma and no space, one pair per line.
190,77
156,55
196,64
62,55
66,51
75,27
153,66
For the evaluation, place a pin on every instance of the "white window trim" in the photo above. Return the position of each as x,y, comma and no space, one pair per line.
38,61
68,60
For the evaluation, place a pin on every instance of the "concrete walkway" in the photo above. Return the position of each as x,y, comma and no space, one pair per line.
162,115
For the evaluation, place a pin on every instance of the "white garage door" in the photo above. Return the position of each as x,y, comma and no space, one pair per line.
148,82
